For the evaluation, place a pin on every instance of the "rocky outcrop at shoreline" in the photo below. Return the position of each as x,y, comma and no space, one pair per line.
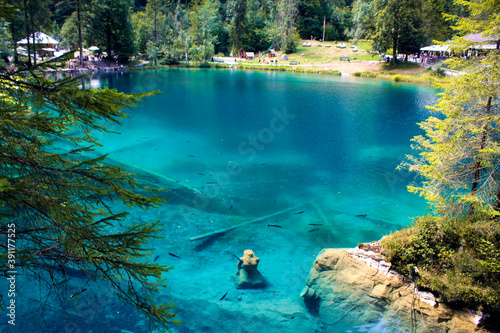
352,285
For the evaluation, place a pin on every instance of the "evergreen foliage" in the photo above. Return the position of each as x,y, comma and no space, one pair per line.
398,26
204,20
57,194
123,28
456,247
461,149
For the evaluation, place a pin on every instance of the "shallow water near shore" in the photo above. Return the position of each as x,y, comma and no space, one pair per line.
318,154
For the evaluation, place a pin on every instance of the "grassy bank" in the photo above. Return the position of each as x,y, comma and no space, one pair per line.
325,58
405,72
288,68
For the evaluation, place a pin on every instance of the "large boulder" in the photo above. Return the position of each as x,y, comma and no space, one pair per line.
357,285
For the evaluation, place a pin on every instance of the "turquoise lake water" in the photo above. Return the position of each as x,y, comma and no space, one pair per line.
270,138
317,153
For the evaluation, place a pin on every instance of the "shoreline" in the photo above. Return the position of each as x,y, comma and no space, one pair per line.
364,69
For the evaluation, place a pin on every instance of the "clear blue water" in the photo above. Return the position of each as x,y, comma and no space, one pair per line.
267,138
248,144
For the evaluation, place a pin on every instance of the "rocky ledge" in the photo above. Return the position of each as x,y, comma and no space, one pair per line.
349,286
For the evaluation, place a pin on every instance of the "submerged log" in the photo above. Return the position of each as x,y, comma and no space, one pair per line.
225,230
179,193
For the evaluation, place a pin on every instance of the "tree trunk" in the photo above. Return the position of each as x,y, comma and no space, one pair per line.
394,48
16,56
477,164
80,44
109,35
27,31
497,200
156,35
34,38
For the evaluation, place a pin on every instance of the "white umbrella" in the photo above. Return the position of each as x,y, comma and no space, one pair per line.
436,48
93,48
39,38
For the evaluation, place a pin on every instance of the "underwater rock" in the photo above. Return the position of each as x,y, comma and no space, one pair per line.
247,275
357,283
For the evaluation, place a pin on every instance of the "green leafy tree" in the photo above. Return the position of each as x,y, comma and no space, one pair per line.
171,32
436,26
363,19
157,20
112,27
255,38
73,29
32,16
141,29
182,40
341,20
59,197
460,152
456,246
5,42
204,20
310,18
281,23
398,25
313,14
237,18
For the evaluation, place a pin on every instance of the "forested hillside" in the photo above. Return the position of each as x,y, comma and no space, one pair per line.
201,28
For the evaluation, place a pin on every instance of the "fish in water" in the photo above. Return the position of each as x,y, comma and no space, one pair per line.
156,149
156,258
201,174
301,212
315,229
224,296
361,216
237,257
174,255
190,155
274,226
316,224
231,207
78,292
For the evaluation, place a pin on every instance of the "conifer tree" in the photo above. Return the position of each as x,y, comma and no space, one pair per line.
111,27
156,18
59,198
204,20
236,16
281,24
398,24
460,152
